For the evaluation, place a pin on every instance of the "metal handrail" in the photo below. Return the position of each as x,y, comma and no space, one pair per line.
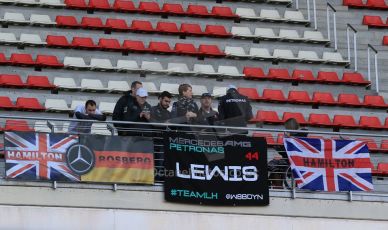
328,7
197,126
308,11
348,28
370,47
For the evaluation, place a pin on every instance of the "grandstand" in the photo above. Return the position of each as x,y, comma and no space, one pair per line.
57,54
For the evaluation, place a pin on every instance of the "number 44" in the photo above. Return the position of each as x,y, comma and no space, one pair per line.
252,156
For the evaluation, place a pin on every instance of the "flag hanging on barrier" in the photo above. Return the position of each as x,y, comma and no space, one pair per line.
116,159
206,169
329,165
38,156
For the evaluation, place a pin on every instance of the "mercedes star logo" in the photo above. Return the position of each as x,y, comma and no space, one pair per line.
80,159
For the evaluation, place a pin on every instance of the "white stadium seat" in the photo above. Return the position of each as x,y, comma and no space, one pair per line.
289,35
76,103
106,107
56,105
314,36
270,15
198,90
219,91
8,38
75,62
178,68
65,83
236,52
260,53
92,85
41,19
333,57
309,56
31,39
151,87
14,18
127,65
118,86
101,64
152,67
229,71
247,13
242,32
284,54
206,70
27,2
172,88
41,127
294,16
266,33
51,3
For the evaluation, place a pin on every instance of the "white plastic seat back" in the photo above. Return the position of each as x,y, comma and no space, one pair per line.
100,63
292,15
56,104
219,91
308,55
41,19
246,12
151,87
265,33
121,86
228,70
204,69
127,65
8,38
313,35
241,31
76,103
332,56
172,88
234,51
259,52
151,66
282,53
92,84
178,68
198,90
270,14
14,17
78,62
289,34
106,107
65,82
31,39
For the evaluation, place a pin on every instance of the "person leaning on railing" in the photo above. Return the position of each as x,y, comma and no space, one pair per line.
88,111
277,168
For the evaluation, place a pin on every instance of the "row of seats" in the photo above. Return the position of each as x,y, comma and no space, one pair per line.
33,82
374,21
322,120
43,3
318,98
369,4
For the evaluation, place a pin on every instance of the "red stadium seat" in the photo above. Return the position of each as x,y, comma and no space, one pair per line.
279,74
370,122
48,61
344,121
17,125
160,47
384,145
280,139
223,12
191,29
6,103
300,97
319,120
354,3
348,100
76,4
386,123
173,8
385,41
354,79
136,46
57,41
86,43
374,101
92,23
198,10
275,95
254,73
268,137
376,4
39,82
99,5
183,48
371,143
22,59
167,27
11,80
149,7
267,117
30,104
116,24
382,168
66,21
323,98
124,6
328,77
217,31
297,116
374,21
303,75
210,50
3,59
251,93
109,44
141,26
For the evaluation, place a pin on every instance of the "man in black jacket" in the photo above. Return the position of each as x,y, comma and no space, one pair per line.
122,110
88,111
159,113
234,109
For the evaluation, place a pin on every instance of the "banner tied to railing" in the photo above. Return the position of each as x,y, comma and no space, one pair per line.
206,169
78,158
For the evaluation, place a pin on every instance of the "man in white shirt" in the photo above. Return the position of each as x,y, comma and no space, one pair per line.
88,111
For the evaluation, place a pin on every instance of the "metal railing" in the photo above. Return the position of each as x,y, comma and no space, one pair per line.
370,47
308,11
329,8
348,28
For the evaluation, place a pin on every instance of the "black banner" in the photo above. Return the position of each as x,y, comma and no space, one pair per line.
213,170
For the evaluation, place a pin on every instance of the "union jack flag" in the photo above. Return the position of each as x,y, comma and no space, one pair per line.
329,165
38,156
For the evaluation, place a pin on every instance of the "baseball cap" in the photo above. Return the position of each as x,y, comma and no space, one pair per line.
141,92
232,87
206,95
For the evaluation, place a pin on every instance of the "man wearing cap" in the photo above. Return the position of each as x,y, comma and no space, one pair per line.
234,109
121,111
206,114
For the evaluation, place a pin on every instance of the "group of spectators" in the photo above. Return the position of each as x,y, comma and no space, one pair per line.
234,110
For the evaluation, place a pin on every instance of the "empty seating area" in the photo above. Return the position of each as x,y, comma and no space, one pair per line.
375,21
366,4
